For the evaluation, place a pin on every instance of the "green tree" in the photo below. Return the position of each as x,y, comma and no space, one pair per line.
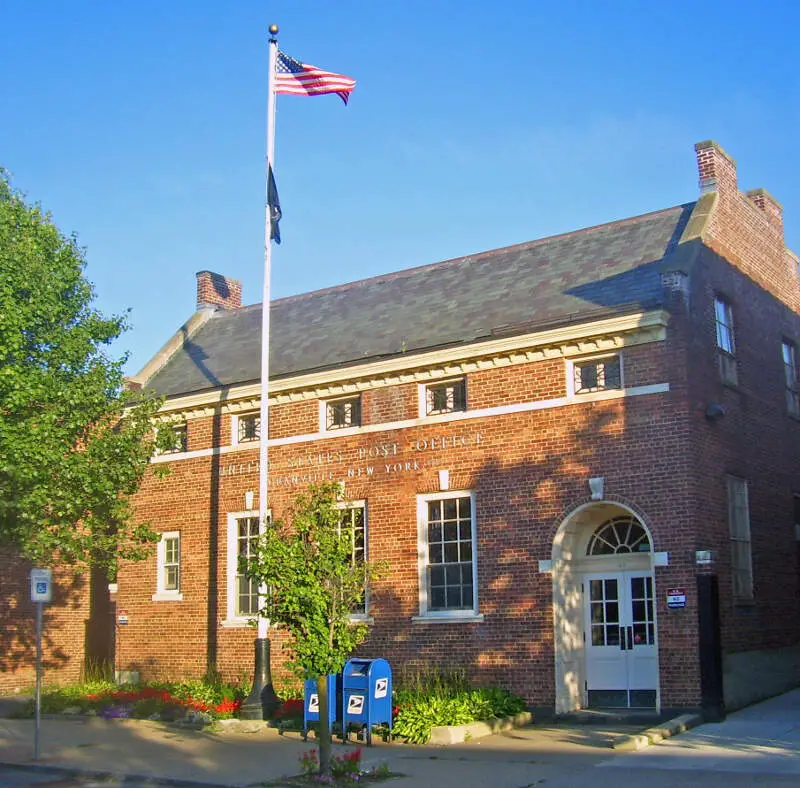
68,459
314,585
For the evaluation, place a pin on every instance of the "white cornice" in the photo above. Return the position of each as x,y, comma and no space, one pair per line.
576,339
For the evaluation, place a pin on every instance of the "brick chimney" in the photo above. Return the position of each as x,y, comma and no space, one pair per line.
717,169
765,202
745,229
217,290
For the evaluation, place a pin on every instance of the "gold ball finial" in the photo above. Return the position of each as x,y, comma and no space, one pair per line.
273,30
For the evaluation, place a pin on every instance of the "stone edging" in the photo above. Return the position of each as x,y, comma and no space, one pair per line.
638,741
455,734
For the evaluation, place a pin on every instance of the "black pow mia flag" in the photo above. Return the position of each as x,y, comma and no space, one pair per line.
274,208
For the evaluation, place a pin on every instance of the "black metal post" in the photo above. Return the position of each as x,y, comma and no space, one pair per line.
712,688
262,702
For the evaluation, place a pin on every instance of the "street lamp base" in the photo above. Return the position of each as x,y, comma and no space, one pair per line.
262,702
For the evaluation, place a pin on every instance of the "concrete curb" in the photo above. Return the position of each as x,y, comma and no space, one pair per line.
654,735
456,734
108,777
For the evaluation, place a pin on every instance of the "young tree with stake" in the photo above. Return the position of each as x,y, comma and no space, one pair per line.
313,585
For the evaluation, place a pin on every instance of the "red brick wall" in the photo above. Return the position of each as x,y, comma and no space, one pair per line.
527,470
66,627
755,440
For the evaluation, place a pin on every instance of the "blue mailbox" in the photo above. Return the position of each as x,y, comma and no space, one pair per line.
366,695
311,701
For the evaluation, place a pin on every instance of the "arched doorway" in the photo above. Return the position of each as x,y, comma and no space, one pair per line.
606,652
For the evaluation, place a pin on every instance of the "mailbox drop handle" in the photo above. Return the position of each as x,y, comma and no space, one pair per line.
622,638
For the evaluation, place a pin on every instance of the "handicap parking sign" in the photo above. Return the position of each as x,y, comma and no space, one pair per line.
41,585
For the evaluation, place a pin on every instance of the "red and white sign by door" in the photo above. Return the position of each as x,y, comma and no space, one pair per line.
676,597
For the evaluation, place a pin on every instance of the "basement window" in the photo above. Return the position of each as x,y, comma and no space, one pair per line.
343,413
449,396
596,374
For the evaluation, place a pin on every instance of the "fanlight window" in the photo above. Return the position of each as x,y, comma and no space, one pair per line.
622,534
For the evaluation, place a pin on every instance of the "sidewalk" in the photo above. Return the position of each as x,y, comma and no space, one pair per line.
147,749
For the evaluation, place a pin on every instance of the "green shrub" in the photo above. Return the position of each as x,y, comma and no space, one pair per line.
428,700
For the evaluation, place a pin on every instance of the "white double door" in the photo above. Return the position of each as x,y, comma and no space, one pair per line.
620,640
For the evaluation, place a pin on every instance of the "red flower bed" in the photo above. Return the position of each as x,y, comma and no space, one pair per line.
152,693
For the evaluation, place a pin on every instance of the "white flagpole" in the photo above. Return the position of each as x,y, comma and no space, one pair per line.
262,698
263,458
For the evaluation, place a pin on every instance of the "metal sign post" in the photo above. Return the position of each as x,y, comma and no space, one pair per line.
41,592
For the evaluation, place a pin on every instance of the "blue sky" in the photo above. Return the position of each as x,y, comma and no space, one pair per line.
140,126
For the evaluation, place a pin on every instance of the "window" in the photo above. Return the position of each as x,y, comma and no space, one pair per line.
739,529
789,355
448,568
354,525
168,560
248,427
343,413
447,397
723,318
243,590
796,501
623,534
178,438
596,374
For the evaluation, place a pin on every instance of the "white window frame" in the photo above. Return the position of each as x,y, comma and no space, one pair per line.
163,594
182,426
593,359
323,415
232,568
426,615
788,348
423,396
724,334
738,498
723,324
235,428
362,504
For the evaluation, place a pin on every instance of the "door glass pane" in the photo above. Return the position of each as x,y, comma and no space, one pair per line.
642,611
604,612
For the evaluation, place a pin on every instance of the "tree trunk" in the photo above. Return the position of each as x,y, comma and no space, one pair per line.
325,742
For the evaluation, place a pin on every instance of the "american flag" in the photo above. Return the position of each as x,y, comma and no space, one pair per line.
301,79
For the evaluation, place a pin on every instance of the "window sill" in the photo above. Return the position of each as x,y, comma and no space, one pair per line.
167,596
361,620
235,623
453,618
343,431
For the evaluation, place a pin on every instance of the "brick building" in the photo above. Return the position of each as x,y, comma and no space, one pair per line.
580,457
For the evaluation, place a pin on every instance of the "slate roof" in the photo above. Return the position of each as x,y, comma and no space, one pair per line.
607,269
